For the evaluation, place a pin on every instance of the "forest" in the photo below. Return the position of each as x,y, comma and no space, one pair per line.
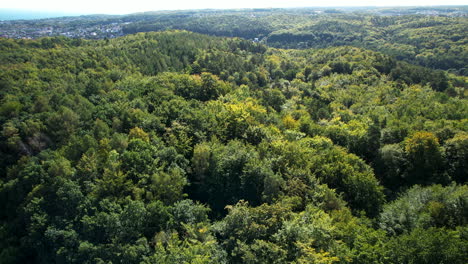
433,37
180,147
437,42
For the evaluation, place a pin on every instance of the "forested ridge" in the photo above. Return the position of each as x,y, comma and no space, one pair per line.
433,37
178,147
437,42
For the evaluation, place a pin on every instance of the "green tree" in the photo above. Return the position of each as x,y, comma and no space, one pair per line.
433,245
425,159
456,153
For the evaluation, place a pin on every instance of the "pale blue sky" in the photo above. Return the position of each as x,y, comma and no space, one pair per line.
132,6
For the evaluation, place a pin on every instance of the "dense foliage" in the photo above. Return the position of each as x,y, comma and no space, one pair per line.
430,41
177,147
433,37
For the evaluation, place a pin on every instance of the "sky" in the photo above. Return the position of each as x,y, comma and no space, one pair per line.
133,6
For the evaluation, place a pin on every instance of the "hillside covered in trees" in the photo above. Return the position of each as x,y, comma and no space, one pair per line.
433,37
437,42
178,147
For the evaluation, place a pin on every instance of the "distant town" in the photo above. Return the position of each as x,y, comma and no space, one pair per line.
73,27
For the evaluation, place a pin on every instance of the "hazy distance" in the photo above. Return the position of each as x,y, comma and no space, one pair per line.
52,8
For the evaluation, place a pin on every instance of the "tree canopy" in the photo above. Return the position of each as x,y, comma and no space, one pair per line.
178,147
